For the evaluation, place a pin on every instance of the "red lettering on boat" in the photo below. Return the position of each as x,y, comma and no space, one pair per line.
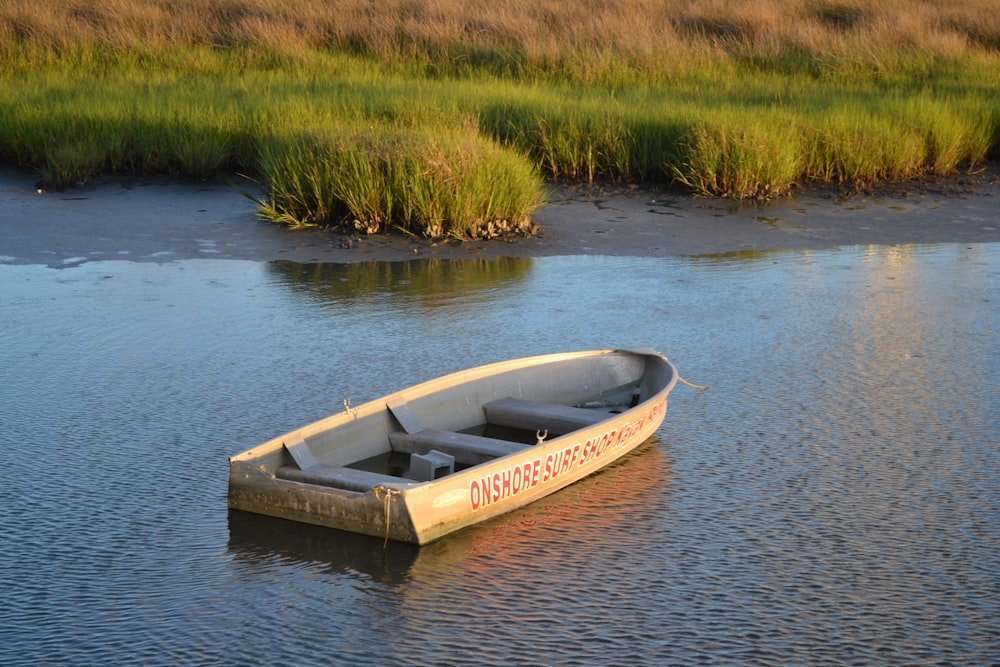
547,474
520,477
475,494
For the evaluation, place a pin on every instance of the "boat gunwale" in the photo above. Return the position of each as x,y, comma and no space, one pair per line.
424,388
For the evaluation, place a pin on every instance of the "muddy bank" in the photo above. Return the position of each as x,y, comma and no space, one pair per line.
162,221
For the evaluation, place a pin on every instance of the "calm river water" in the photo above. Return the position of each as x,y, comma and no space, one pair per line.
833,498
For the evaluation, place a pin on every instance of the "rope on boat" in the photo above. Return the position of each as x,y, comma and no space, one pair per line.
696,386
388,498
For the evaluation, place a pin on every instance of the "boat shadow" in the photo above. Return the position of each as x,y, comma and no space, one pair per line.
258,539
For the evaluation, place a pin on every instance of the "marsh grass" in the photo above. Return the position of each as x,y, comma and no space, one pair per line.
71,124
578,137
750,159
417,179
441,118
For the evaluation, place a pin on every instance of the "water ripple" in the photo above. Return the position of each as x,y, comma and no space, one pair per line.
833,499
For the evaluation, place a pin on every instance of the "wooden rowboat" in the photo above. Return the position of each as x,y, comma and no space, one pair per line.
423,462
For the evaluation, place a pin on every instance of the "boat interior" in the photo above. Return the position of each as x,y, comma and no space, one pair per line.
418,454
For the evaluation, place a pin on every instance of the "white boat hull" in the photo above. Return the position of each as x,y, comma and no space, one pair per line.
597,406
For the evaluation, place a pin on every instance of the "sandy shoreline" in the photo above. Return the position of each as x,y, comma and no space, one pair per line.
163,221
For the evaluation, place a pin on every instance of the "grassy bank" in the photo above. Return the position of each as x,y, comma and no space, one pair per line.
439,117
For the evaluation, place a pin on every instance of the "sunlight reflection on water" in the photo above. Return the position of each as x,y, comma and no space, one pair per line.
833,497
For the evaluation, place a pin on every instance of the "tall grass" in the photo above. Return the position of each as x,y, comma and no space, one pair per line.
70,124
420,180
749,159
587,39
445,36
440,117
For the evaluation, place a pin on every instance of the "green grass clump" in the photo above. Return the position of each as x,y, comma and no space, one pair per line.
451,182
742,160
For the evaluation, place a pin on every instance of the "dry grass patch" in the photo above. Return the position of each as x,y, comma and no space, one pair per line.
516,36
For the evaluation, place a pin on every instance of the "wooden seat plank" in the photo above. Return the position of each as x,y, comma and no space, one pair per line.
540,416
466,448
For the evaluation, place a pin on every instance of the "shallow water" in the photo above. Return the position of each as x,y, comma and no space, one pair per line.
833,498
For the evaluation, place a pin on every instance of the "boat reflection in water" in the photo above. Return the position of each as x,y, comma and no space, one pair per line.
602,511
